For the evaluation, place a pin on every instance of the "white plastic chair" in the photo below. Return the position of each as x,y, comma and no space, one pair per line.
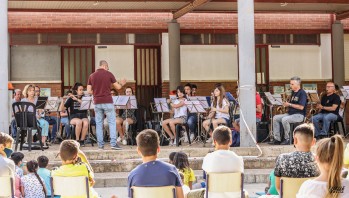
70,186
7,187
153,192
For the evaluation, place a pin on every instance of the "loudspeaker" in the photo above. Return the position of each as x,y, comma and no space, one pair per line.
262,132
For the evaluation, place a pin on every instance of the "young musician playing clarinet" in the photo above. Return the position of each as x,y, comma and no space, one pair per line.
180,115
78,117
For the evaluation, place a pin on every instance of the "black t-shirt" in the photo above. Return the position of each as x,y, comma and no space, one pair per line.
74,107
299,98
328,101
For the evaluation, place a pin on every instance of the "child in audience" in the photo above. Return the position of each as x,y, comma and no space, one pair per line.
329,184
17,158
71,154
272,187
171,157
182,164
44,173
32,184
185,188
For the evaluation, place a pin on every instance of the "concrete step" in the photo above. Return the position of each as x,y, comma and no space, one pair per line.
195,150
103,166
119,179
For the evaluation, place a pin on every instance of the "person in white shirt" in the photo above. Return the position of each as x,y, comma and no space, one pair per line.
222,159
330,184
219,113
7,166
180,115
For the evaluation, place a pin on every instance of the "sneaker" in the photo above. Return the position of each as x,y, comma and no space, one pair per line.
119,139
116,147
124,142
192,136
185,135
82,143
209,140
275,142
174,142
285,142
171,142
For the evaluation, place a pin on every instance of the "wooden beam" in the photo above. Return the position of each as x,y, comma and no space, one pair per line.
343,15
256,1
189,7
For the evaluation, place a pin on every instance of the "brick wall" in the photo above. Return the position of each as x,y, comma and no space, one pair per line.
101,22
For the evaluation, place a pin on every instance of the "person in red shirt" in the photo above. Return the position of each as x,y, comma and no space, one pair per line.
99,84
236,123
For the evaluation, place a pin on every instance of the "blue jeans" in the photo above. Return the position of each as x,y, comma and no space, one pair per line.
192,122
13,128
65,121
52,121
326,119
109,111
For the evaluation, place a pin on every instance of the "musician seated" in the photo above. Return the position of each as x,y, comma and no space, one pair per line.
179,117
78,117
329,108
64,119
29,96
192,117
219,113
113,92
128,117
296,112
259,107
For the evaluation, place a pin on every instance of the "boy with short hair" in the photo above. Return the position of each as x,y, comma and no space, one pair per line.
44,173
71,167
7,166
153,172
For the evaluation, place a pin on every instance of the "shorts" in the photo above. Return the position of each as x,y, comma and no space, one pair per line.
78,115
184,119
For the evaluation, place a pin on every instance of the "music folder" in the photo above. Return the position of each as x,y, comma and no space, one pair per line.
53,104
41,102
161,105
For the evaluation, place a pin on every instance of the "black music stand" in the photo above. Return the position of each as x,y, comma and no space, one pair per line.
41,102
161,107
87,104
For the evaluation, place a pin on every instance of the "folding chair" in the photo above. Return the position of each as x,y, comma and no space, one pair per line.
70,186
7,187
290,186
153,192
224,183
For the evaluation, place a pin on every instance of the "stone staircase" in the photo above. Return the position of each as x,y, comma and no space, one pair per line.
112,167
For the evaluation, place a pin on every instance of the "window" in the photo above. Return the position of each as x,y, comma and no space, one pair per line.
224,39
191,39
148,38
306,39
83,38
20,39
278,39
112,38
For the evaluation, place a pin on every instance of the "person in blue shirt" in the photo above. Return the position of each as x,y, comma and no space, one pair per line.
296,112
148,147
44,173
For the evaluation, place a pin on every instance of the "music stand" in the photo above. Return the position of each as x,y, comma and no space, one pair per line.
52,105
274,100
87,104
313,96
41,102
346,88
203,101
161,106
195,106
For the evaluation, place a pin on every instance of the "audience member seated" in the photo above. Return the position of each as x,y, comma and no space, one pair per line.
78,117
181,162
126,117
17,158
7,167
113,92
329,107
44,173
17,96
32,184
300,163
219,113
329,157
74,164
179,117
346,157
153,172
28,93
222,160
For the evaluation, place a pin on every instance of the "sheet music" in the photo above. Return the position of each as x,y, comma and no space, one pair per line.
173,97
203,101
278,99
313,96
41,102
199,107
85,103
115,98
161,105
190,106
53,104
193,98
132,103
122,100
271,98
347,91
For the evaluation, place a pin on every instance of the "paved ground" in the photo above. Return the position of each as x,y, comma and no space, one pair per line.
121,192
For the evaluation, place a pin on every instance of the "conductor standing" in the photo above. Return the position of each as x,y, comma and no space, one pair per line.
98,85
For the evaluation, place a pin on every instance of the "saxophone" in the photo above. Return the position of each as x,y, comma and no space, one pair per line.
282,109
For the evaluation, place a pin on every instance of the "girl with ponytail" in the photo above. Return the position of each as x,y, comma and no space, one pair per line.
32,184
329,157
